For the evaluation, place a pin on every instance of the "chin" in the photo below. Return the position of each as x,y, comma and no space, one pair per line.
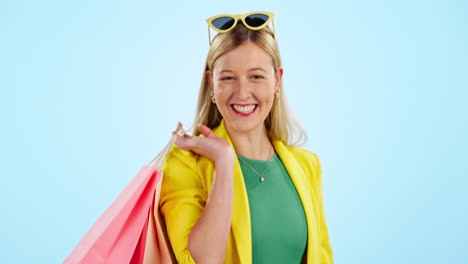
244,126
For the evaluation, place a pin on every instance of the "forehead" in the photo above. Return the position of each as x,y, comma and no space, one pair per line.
246,56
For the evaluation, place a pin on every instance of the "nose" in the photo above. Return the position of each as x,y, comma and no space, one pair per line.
243,90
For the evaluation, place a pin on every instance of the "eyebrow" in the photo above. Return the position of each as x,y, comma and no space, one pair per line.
251,69
258,68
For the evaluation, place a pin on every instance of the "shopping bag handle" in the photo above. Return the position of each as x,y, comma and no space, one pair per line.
158,161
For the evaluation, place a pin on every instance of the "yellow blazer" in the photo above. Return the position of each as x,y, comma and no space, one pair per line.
187,183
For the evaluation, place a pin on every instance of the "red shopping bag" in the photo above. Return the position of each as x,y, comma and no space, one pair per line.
131,230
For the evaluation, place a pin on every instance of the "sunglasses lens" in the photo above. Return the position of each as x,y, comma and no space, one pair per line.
256,20
223,22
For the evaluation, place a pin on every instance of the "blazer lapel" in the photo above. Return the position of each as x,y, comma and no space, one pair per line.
241,225
302,183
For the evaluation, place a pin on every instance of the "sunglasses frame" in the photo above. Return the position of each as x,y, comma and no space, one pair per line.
241,18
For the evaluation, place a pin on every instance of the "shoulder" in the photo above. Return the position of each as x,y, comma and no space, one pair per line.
177,157
184,169
179,169
304,155
308,160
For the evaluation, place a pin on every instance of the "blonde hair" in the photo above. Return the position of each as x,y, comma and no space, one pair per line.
280,123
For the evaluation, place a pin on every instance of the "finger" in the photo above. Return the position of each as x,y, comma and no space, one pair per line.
179,141
206,131
186,143
184,136
179,126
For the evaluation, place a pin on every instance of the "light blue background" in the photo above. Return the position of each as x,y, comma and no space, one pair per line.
90,91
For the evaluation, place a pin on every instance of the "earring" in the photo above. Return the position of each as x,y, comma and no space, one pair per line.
277,94
213,99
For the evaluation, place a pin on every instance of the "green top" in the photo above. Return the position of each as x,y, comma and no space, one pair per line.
279,227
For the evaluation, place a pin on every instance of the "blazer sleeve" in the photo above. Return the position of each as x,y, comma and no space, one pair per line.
182,200
325,245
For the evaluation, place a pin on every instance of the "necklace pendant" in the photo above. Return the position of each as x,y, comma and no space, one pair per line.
262,179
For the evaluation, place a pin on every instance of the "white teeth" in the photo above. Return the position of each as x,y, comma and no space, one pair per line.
244,109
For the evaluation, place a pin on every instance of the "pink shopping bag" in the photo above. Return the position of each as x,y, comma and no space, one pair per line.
131,230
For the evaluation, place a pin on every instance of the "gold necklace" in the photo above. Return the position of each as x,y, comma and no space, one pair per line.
254,171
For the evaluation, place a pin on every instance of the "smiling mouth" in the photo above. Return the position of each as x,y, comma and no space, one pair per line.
244,110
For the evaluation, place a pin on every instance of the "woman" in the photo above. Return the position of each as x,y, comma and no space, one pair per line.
239,190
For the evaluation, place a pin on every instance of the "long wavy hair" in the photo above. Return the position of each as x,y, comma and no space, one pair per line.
280,123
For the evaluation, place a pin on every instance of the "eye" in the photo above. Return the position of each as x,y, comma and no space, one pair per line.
227,78
257,77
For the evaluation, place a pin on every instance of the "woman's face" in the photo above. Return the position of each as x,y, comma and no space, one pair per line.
244,83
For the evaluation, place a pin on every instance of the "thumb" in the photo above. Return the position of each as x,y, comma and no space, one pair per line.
206,131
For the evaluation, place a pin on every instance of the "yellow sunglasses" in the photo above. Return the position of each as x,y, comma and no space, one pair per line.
254,20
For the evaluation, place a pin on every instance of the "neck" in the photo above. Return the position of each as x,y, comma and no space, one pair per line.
254,144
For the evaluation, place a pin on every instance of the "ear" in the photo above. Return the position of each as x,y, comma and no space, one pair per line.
209,78
278,77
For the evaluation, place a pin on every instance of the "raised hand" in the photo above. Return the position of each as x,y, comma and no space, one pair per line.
210,145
